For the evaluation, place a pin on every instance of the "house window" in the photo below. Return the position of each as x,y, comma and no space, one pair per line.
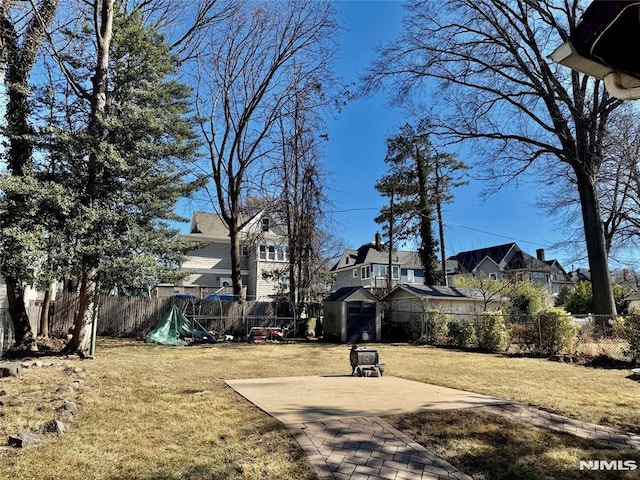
283,281
263,252
396,272
365,272
245,250
281,253
539,278
355,273
411,276
493,276
379,271
265,224
271,253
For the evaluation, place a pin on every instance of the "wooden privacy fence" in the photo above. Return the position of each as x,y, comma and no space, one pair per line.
118,316
135,316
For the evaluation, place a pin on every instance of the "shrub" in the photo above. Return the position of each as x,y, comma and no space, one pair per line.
462,334
492,332
580,300
628,328
402,331
557,332
524,336
437,327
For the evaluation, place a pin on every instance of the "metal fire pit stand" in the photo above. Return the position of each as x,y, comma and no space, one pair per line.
365,362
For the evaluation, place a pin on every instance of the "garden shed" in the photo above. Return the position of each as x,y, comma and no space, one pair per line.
352,314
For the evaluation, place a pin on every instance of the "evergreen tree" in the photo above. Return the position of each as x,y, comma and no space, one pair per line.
21,226
126,166
419,181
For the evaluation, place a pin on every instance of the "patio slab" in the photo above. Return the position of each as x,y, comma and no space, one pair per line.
320,398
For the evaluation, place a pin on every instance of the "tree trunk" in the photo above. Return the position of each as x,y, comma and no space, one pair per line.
24,338
103,16
603,300
236,274
443,257
80,342
44,314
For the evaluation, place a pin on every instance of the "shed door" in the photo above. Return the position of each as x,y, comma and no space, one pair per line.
361,317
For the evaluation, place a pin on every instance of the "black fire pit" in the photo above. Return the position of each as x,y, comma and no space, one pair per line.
365,362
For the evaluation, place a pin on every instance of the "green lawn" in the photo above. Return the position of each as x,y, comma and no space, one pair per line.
153,412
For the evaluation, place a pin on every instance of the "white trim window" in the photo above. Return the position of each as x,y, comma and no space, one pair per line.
281,253
355,273
493,276
411,276
365,272
263,252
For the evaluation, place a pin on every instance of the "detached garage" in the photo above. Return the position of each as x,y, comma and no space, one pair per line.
353,315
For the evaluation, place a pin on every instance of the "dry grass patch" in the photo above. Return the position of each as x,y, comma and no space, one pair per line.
164,413
589,394
487,446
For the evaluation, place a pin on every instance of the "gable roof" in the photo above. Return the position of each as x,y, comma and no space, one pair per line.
519,260
369,253
345,292
440,292
467,261
209,225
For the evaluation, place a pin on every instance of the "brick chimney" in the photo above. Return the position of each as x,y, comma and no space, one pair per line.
540,254
378,241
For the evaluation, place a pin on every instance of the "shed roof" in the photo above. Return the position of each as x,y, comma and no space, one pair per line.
441,292
344,293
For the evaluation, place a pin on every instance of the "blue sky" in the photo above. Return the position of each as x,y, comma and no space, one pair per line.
356,150
354,160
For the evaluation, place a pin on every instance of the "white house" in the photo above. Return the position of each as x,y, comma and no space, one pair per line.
264,257
407,300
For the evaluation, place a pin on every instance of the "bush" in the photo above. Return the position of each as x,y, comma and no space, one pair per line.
492,332
557,332
402,331
628,328
437,327
524,336
462,334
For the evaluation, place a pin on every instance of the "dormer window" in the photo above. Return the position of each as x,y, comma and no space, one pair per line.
265,224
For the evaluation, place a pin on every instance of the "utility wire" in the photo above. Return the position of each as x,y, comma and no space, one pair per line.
449,224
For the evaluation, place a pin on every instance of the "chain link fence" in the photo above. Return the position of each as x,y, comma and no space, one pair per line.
588,336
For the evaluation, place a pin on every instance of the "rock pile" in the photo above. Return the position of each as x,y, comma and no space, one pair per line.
64,413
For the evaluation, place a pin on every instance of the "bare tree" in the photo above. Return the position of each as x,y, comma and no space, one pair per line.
618,183
243,84
488,62
298,176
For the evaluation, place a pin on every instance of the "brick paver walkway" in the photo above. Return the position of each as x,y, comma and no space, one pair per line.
368,448
591,431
